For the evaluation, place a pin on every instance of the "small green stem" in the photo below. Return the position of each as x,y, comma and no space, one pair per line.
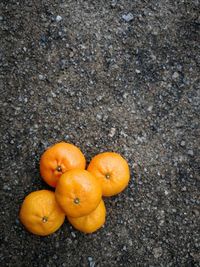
59,168
76,200
44,219
107,176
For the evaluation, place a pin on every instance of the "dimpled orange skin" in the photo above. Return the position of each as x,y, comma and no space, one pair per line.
58,159
112,170
78,192
40,213
91,222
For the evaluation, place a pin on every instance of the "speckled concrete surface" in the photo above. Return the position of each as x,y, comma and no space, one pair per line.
104,75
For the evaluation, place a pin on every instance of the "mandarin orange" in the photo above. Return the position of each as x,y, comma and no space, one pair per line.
40,213
78,192
58,159
112,170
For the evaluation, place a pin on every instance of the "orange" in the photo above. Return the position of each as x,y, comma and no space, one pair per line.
112,170
78,192
58,159
40,213
91,222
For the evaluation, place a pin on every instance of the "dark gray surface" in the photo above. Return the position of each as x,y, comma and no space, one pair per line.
104,75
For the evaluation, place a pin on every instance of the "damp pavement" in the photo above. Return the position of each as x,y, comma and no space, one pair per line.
106,76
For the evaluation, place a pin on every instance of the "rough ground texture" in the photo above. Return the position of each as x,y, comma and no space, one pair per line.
104,75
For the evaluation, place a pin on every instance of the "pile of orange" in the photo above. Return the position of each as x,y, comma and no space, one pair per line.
78,192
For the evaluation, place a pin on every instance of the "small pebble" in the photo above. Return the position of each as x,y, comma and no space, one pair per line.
6,187
150,108
182,143
41,77
124,248
196,212
71,54
73,234
175,75
58,18
166,192
183,189
112,132
99,116
157,252
114,3
53,94
128,17
99,97
190,152
91,262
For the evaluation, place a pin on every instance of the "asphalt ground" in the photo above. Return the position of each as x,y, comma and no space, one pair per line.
117,76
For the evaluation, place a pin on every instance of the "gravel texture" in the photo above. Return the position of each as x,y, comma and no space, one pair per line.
104,75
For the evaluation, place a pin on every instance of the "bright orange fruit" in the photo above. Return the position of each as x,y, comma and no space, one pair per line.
91,222
40,213
112,170
58,159
78,192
